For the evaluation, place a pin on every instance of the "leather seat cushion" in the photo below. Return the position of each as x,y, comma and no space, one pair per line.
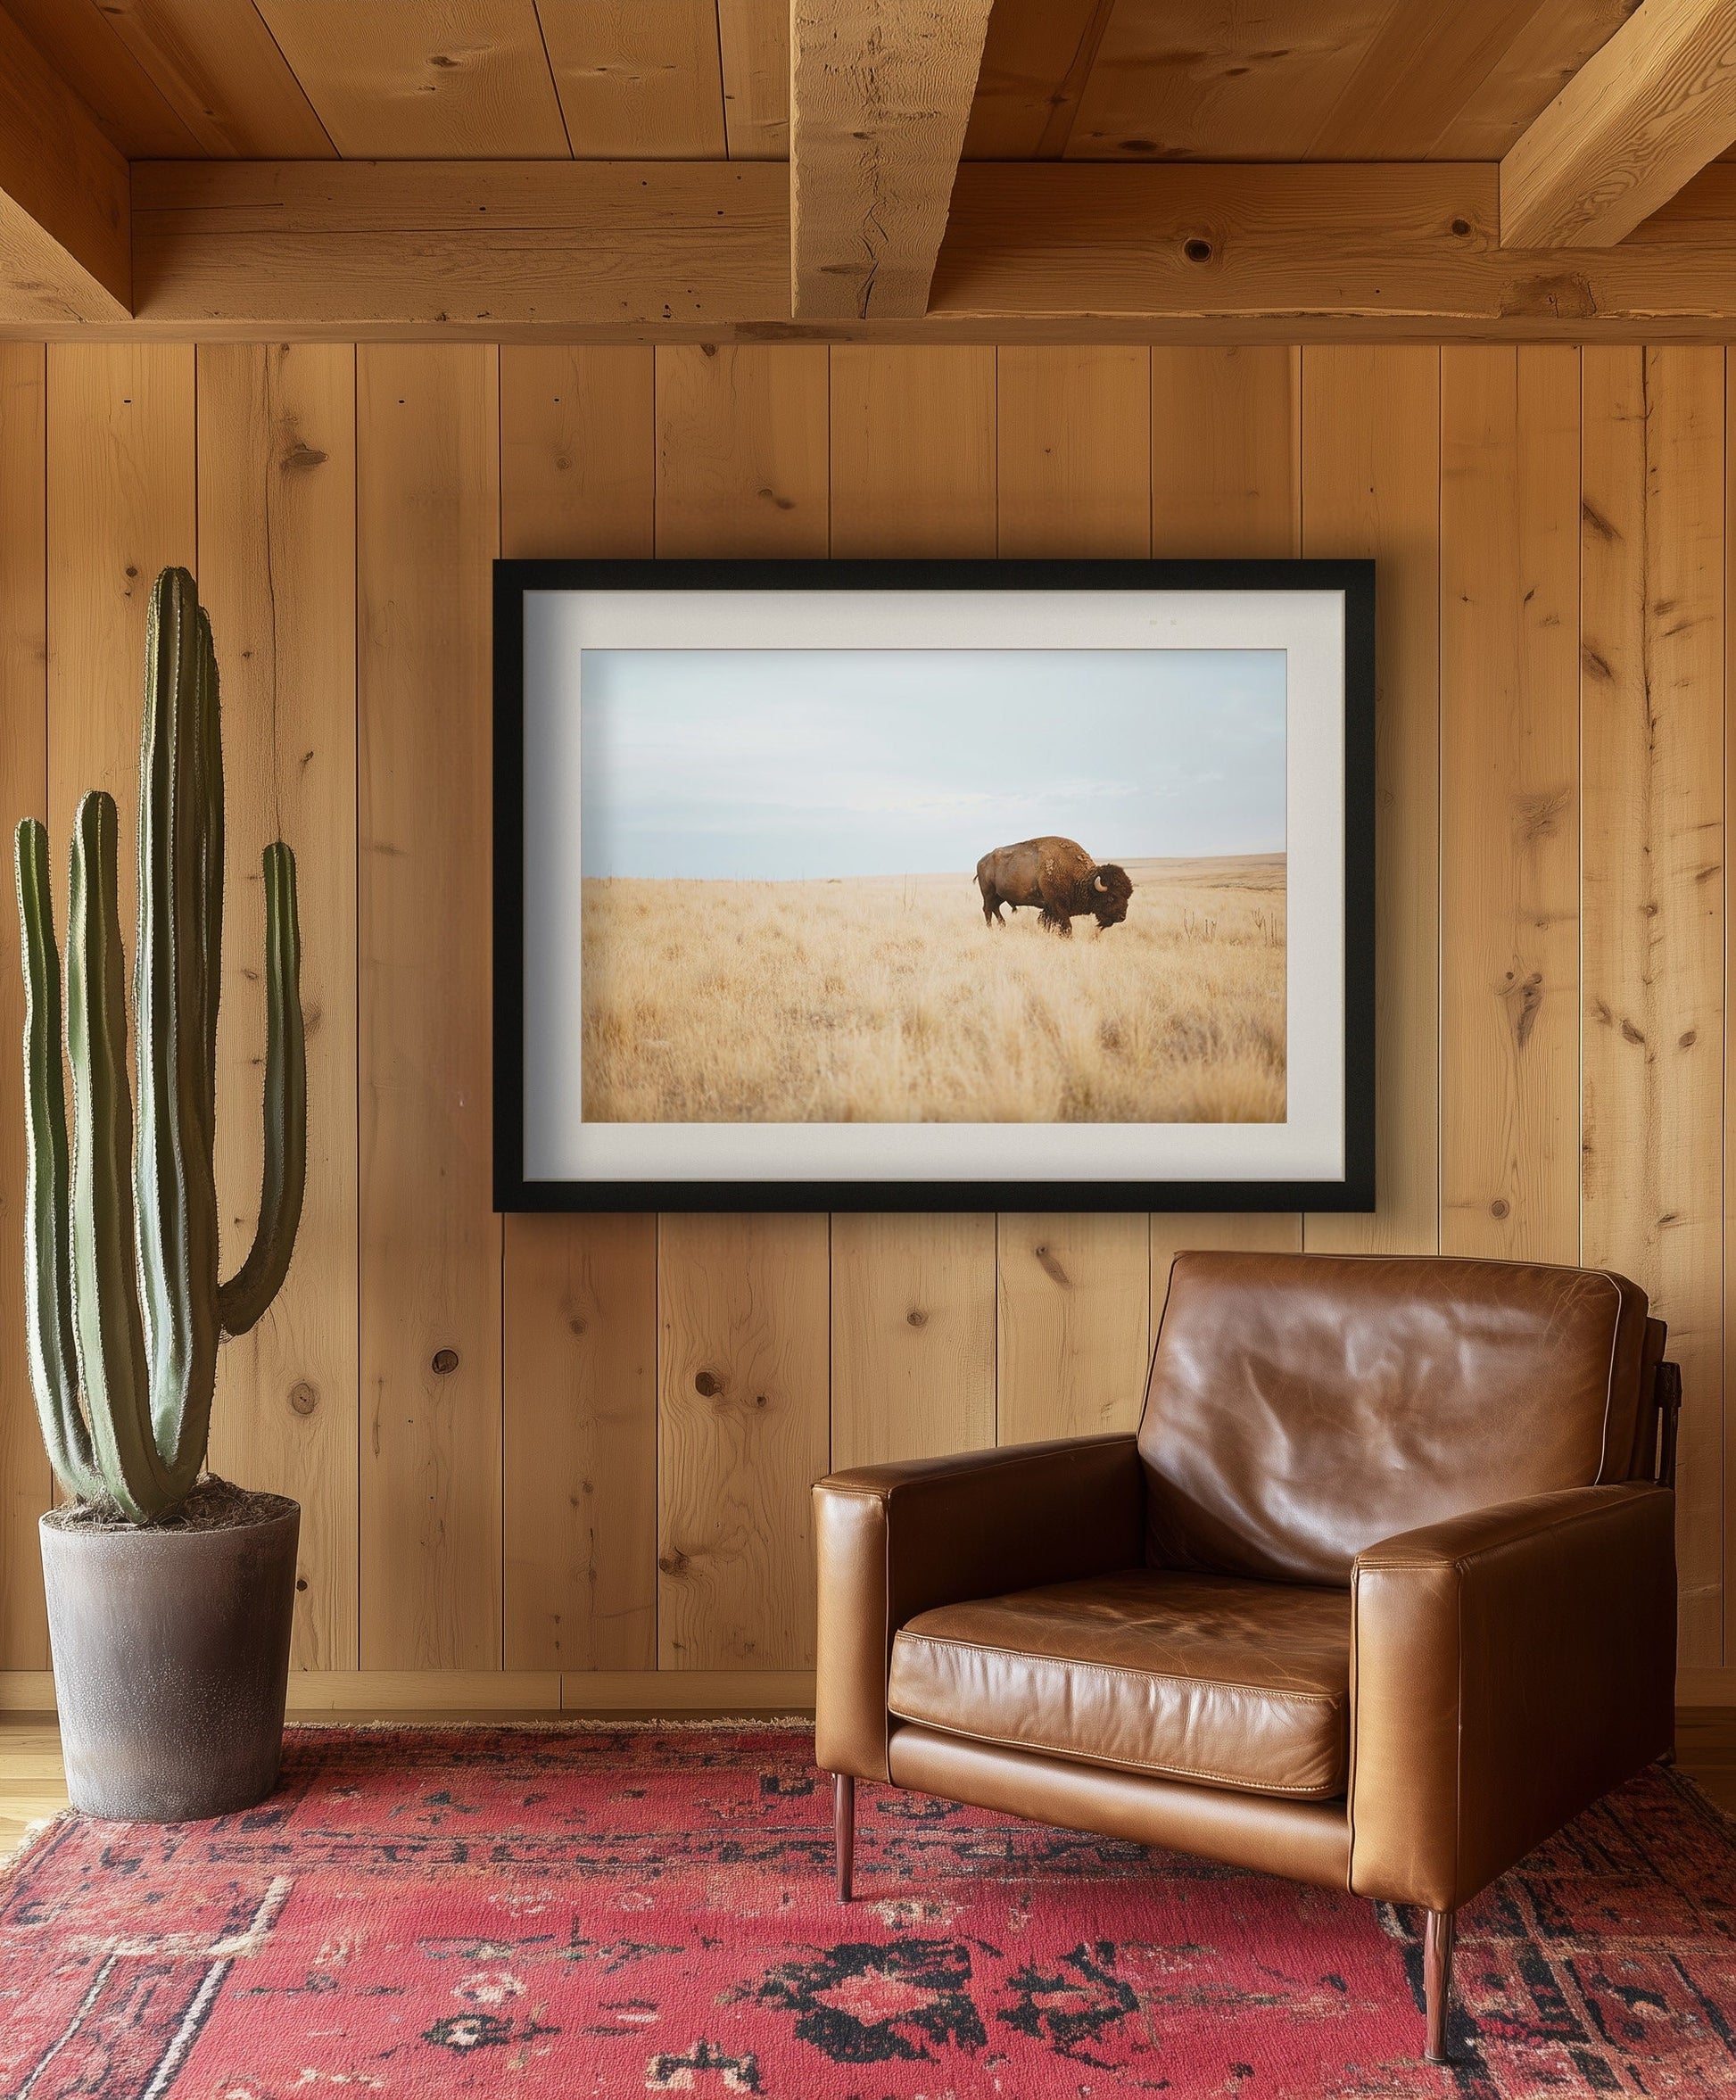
1218,1679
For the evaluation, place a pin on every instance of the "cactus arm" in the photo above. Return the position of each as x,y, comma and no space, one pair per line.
47,1275
211,756
107,1328
175,1003
244,1298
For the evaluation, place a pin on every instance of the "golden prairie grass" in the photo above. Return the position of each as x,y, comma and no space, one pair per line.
889,1000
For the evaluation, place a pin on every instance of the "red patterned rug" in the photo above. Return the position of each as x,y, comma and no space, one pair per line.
574,1912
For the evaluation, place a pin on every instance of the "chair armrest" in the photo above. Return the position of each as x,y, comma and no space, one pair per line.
893,1541
1507,1667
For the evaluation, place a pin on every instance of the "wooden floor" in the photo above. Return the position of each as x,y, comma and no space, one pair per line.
33,1785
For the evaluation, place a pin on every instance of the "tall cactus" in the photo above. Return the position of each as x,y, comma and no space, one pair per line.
125,1309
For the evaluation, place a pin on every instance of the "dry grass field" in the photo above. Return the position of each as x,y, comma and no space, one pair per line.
886,999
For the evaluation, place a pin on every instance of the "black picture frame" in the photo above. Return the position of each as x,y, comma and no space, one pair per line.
1355,1191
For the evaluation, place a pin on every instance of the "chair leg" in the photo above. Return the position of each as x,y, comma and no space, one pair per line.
1437,1980
843,1827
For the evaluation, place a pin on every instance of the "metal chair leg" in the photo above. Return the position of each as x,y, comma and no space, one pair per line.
1438,1936
843,1825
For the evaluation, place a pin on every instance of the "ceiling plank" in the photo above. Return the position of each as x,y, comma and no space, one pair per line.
441,80
1415,77
755,36
1195,79
222,73
881,94
65,199
637,82
1641,118
1036,60
1544,55
80,42
1046,251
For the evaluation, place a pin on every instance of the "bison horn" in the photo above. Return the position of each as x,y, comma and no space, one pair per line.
1097,883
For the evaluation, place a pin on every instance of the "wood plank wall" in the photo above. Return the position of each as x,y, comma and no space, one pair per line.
613,1475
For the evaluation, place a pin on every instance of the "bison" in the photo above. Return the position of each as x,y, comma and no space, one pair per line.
1057,875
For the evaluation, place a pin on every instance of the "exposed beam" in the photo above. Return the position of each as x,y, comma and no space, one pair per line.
879,96
1639,119
698,251
64,238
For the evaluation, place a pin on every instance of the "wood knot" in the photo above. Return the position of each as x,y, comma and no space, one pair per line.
917,1317
1498,1208
708,1384
445,1361
1049,1262
1196,249
303,1398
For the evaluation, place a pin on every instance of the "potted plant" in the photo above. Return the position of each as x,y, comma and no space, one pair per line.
170,1593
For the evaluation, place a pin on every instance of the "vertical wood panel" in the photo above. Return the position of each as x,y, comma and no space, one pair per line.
1074,1310
580,1309
743,1303
26,1484
1729,1335
1226,481
913,473
579,1348
741,450
742,1437
1074,438
1371,466
578,454
427,525
1074,441
1510,803
1225,430
1253,1232
913,1336
912,451
276,528
1654,889
123,505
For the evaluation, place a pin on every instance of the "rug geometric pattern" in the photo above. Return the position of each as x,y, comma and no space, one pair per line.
526,1914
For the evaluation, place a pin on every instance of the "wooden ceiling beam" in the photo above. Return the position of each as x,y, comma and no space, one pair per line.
1050,251
65,240
881,94
1636,123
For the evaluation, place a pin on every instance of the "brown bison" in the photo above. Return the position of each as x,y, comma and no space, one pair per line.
1057,875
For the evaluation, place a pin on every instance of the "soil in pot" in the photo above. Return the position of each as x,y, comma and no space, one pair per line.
171,1652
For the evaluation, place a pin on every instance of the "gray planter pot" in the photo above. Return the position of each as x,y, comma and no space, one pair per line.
172,1662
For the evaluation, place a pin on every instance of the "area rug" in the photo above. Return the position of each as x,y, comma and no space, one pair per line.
535,1913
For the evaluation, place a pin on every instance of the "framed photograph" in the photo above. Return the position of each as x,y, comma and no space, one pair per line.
952,885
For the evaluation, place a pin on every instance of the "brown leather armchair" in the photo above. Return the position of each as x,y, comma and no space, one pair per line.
1382,1593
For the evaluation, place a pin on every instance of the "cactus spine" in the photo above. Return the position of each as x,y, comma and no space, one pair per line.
125,1310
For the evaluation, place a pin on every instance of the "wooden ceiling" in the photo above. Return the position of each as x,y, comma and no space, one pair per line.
705,80
1218,169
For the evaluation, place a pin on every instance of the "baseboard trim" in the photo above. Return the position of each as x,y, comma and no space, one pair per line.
1706,1687
380,1693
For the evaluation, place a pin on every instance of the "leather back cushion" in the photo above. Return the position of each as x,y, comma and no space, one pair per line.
1303,1407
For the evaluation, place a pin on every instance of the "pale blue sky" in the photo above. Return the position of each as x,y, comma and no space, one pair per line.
767,765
